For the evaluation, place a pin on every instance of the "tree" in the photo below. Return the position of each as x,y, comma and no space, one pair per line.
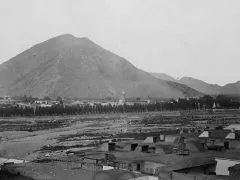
59,99
138,98
208,101
224,101
47,98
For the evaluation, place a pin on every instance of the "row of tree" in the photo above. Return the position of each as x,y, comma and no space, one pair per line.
205,102
80,110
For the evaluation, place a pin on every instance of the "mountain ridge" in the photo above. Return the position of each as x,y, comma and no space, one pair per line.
201,85
206,88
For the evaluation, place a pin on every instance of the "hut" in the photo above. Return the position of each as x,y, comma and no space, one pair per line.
195,162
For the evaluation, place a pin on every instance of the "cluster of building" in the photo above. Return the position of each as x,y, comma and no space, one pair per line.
6,100
208,155
49,103
121,101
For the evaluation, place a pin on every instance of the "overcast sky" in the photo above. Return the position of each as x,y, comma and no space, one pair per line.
197,38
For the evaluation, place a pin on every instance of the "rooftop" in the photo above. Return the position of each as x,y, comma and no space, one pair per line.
177,162
219,134
233,126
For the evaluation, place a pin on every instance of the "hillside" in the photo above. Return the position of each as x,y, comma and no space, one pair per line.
76,67
163,76
231,88
201,86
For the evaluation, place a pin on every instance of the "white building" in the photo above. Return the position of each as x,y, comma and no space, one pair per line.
122,99
43,103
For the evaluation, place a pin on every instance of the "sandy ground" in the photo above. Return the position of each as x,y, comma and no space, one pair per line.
21,144
26,145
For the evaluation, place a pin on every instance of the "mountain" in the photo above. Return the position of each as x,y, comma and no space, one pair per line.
232,88
211,89
67,66
163,76
201,86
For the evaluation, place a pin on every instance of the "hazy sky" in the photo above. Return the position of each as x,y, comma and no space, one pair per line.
197,38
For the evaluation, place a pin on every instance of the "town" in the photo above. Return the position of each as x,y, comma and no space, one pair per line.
142,139
119,90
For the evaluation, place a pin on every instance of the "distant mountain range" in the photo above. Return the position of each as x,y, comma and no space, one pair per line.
203,87
67,66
